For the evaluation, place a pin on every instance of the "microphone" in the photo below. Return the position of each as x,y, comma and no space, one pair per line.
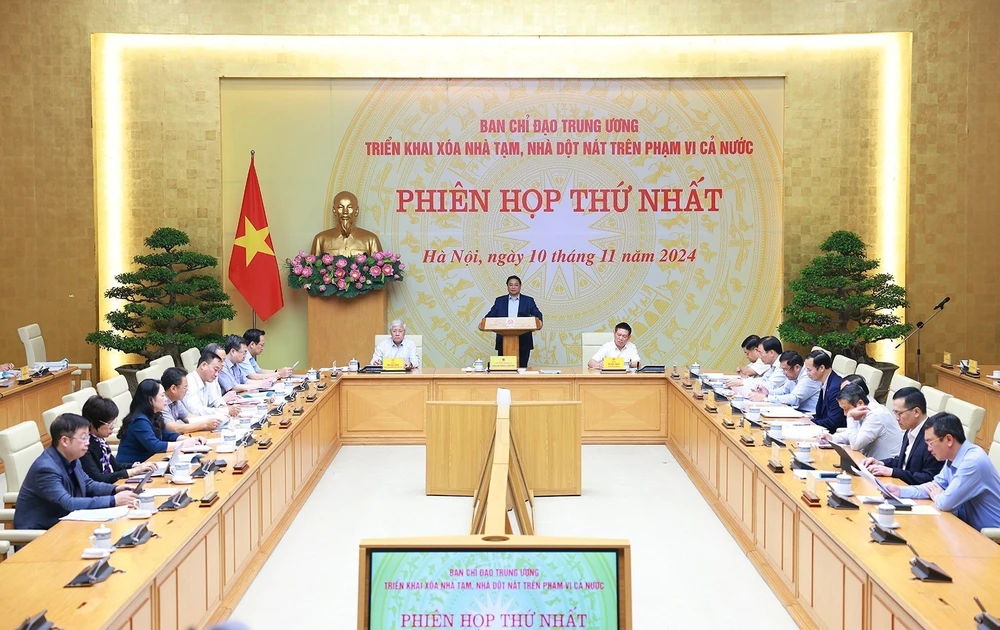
942,303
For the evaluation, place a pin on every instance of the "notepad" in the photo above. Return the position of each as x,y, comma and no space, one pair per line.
96,516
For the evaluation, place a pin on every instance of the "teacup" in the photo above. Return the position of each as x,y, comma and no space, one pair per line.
776,431
842,484
181,470
101,538
803,451
886,516
996,374
147,501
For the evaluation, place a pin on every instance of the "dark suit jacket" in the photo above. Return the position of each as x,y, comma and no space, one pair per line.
921,467
526,307
91,463
49,493
828,414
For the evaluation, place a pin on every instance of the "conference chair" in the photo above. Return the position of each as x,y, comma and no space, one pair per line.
189,359
970,415
936,399
418,341
815,348
872,376
10,537
843,365
80,395
20,445
74,406
993,533
898,382
117,390
34,352
591,342
155,369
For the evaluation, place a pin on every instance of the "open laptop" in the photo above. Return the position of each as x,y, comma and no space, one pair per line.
846,461
163,468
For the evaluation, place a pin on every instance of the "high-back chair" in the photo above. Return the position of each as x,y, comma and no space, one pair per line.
936,399
155,369
843,365
970,415
592,342
418,341
872,376
34,352
897,383
117,390
20,446
189,359
80,396
68,407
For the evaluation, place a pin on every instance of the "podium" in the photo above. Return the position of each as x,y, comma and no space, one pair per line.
510,328
344,328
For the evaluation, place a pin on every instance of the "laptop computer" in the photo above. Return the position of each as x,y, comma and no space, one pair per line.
846,461
163,468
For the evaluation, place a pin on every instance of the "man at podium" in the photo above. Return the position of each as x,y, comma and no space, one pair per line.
516,305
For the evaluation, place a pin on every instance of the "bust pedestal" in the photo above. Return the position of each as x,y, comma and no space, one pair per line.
344,328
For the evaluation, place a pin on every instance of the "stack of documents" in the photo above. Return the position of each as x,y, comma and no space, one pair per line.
96,516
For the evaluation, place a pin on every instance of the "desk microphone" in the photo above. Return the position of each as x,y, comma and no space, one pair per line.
985,620
925,570
942,303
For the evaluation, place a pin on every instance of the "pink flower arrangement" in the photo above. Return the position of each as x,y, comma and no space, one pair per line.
343,276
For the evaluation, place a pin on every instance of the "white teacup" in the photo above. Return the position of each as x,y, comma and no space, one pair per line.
752,413
181,470
147,501
803,451
842,484
101,538
996,373
776,431
886,516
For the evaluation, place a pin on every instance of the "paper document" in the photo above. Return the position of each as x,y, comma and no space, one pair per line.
818,474
52,365
96,516
878,500
160,492
801,432
923,510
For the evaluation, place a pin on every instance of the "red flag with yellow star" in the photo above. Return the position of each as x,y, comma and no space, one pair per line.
253,268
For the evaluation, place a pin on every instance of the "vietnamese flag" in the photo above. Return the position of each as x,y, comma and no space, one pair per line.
253,268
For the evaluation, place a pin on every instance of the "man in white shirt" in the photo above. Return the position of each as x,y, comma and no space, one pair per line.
176,416
255,346
871,428
799,391
756,367
772,378
620,347
204,396
397,346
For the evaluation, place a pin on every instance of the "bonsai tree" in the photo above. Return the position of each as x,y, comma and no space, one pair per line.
841,304
166,301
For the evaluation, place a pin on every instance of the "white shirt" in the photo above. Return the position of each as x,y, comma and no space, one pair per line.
802,393
204,399
877,435
629,353
772,379
758,366
406,350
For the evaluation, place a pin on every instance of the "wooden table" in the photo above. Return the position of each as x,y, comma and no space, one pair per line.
982,392
204,559
818,560
617,408
27,402
548,439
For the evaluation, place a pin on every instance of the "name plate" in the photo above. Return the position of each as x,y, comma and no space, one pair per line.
503,364
613,363
974,366
947,359
393,365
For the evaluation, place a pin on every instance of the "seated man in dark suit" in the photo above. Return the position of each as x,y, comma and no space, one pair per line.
56,484
516,305
914,464
829,415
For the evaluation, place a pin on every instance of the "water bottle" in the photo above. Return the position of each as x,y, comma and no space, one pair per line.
353,365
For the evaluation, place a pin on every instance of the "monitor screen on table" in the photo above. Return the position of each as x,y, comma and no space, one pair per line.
493,588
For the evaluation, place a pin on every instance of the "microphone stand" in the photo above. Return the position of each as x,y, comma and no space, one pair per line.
916,331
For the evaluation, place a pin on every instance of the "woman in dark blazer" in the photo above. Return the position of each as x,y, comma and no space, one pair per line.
143,433
99,463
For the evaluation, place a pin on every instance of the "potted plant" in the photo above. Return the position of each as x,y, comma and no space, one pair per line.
842,304
167,303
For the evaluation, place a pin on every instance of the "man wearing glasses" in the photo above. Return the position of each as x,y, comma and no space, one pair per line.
968,485
914,464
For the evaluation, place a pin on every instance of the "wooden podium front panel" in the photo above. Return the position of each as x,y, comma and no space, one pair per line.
549,439
341,329
375,411
457,438
522,388
624,408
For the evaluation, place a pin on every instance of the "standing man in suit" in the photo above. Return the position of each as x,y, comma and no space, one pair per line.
829,415
914,464
56,484
516,305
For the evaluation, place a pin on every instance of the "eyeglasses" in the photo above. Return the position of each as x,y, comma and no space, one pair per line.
82,438
900,413
934,441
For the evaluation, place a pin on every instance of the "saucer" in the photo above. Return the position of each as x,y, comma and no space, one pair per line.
139,514
96,553
895,525
222,448
842,494
182,481
805,460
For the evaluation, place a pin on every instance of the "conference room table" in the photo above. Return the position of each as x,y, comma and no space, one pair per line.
27,402
820,561
983,392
